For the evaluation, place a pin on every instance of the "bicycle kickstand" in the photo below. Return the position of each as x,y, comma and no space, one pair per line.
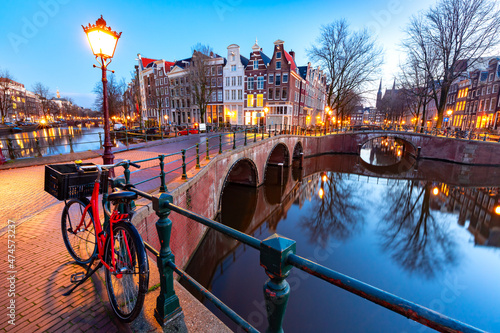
79,278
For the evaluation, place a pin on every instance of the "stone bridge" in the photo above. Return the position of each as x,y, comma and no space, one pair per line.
247,165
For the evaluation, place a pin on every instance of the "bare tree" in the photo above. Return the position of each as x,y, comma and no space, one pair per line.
199,77
448,39
351,60
43,95
115,95
415,89
5,99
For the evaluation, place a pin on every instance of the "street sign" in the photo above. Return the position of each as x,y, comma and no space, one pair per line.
203,127
446,119
258,115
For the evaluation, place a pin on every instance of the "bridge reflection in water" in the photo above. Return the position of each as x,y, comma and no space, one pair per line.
414,233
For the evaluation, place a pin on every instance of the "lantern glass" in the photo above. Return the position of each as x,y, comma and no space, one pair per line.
103,44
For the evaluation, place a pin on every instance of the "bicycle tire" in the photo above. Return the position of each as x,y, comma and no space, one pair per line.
82,245
126,293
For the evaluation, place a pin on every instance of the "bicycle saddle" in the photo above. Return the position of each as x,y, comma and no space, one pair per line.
122,195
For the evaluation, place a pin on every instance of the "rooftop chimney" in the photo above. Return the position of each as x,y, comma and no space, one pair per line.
292,53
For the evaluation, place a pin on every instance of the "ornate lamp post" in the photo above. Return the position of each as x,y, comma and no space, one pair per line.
103,42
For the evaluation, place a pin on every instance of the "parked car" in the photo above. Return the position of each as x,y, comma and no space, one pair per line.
119,127
185,131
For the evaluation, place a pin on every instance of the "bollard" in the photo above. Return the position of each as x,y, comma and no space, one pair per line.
234,140
208,152
245,136
184,175
167,303
70,144
100,141
39,151
11,149
484,137
220,143
274,251
197,156
163,184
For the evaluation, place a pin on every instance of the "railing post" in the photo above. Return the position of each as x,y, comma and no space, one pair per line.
220,143
146,134
197,156
167,303
208,151
70,144
184,175
275,129
38,149
126,137
245,136
11,149
163,186
100,141
234,140
314,130
274,251
126,173
255,135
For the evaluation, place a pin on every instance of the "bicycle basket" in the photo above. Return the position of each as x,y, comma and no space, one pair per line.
64,182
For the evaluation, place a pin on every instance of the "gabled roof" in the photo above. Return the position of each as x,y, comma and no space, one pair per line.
266,59
303,71
182,63
168,65
291,61
244,60
146,61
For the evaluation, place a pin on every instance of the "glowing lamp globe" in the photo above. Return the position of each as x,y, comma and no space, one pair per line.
101,38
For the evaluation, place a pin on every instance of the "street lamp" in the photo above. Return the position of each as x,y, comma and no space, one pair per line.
449,113
103,42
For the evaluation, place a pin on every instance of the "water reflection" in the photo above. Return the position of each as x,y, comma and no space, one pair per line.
412,234
395,234
383,151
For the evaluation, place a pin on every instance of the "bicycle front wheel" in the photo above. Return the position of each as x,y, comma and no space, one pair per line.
79,237
127,286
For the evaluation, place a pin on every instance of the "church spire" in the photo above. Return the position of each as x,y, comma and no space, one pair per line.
394,85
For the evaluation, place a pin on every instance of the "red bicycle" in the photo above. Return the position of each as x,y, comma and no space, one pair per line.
119,248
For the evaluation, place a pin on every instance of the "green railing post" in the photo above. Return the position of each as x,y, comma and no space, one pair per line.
70,144
126,173
161,132
255,134
167,303
274,251
220,143
184,174
146,134
38,149
245,136
197,156
100,141
208,152
163,184
234,140
11,149
275,129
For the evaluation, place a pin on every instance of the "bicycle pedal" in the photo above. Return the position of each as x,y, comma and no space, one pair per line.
77,277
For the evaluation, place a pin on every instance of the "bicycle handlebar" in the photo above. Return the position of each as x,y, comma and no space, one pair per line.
100,167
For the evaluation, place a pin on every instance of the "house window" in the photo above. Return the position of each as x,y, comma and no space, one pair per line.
495,88
285,77
256,64
284,94
219,95
491,77
260,82
270,95
227,95
278,55
260,100
233,68
250,100
233,80
240,79
219,70
232,57
240,94
227,81
271,78
212,70
219,82
213,81
278,79
250,83
233,95
277,93
278,64
488,90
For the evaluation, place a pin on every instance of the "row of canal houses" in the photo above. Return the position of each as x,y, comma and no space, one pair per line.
245,91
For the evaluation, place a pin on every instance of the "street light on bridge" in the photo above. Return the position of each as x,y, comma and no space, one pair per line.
103,42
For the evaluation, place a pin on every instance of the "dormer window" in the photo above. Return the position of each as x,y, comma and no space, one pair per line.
278,55
278,64
256,64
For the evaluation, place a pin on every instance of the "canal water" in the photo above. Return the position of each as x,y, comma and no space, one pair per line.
430,237
53,141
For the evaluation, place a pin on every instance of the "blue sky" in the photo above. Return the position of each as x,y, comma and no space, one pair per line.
44,41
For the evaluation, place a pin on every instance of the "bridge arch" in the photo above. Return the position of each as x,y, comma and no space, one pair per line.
297,150
279,154
369,138
243,172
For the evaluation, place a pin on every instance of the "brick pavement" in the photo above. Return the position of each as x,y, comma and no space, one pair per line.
43,264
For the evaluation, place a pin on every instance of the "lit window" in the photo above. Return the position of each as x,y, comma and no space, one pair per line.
260,100
250,100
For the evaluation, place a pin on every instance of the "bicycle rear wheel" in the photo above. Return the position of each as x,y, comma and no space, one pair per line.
81,243
127,286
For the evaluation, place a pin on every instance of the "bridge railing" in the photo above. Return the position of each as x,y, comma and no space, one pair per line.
278,257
